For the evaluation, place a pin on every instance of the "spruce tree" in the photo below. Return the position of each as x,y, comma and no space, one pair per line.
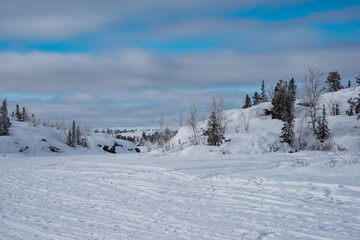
322,132
263,95
17,113
247,102
73,134
213,132
78,135
349,84
334,82
69,139
279,100
288,114
256,99
358,80
4,119
24,115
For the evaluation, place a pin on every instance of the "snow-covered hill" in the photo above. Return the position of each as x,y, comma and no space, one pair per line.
40,140
263,132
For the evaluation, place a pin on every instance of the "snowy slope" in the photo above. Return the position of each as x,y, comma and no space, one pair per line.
264,132
40,140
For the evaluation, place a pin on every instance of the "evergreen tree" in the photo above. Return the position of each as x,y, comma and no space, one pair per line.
288,114
350,112
263,95
337,110
279,100
322,132
78,135
24,115
73,134
247,102
256,99
358,80
349,84
4,120
69,139
213,132
17,113
334,82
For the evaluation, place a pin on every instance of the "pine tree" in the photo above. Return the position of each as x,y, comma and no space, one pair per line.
334,82
4,120
78,135
263,95
288,114
73,134
337,110
322,132
358,80
350,112
247,102
279,100
256,99
69,139
24,115
213,132
17,113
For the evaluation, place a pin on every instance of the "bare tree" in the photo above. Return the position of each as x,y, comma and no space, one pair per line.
333,106
191,120
313,87
245,117
217,105
162,123
270,91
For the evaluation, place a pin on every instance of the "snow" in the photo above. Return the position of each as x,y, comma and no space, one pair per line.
239,190
36,141
310,195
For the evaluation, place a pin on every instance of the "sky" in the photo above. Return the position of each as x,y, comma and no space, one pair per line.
120,64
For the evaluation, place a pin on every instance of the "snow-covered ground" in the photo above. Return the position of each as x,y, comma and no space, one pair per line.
192,194
239,190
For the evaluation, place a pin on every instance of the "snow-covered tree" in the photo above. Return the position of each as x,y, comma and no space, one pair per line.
247,102
4,119
358,80
322,131
334,82
213,131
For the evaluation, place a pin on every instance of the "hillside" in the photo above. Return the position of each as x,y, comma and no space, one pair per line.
263,131
39,140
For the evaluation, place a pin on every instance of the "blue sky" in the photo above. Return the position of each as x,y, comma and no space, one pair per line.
132,60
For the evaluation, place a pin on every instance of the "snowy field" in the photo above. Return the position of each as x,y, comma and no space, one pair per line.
180,196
